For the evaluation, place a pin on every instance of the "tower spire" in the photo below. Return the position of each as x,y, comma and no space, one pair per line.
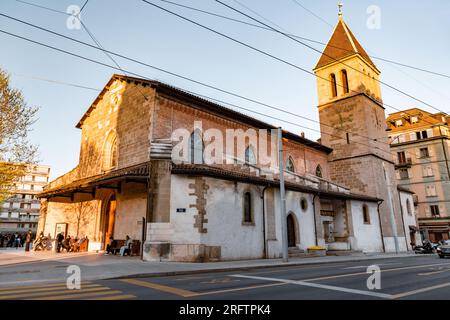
340,5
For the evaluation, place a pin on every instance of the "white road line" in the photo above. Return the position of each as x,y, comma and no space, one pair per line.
320,286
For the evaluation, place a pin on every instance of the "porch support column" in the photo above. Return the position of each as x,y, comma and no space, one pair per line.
349,219
318,221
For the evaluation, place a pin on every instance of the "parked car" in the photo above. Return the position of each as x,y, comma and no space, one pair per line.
444,249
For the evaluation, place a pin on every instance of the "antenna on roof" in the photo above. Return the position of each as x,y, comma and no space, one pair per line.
340,5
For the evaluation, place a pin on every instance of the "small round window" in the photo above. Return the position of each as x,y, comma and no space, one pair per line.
304,204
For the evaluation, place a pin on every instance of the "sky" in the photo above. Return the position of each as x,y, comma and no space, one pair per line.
411,32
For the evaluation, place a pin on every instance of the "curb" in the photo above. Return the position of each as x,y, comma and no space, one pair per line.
245,268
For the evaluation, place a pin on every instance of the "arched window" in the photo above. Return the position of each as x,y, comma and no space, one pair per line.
248,208
250,157
366,215
319,171
344,80
196,147
110,152
290,165
333,85
408,207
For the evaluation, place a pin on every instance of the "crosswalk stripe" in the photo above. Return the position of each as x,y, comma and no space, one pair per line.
75,296
35,294
39,286
49,289
160,287
120,297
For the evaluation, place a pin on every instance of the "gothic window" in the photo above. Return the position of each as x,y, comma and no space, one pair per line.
290,165
250,157
333,85
366,215
248,208
344,80
110,152
408,207
319,171
196,147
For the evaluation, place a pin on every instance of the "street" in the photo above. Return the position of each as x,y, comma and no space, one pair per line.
421,277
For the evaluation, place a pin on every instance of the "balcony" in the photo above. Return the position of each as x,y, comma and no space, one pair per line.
406,163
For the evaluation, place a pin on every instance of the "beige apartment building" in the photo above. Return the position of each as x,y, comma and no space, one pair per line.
20,213
420,146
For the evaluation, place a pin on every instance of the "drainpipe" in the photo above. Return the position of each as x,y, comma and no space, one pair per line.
445,156
314,215
264,221
379,221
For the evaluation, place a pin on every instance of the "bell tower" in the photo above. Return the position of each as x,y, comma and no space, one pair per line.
353,124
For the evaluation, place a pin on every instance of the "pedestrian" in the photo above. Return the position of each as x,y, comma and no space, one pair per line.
126,248
17,240
28,240
59,240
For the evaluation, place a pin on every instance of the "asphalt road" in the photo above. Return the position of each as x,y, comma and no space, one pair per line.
425,277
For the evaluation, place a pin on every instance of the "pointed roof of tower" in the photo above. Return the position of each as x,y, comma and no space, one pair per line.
342,44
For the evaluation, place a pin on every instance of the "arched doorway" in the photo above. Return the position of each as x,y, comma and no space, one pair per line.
291,230
110,216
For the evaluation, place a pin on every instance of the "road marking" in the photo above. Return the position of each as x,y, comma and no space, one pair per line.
120,297
75,296
301,267
240,289
320,286
380,264
192,278
365,273
58,292
39,286
220,280
410,293
49,289
441,270
160,287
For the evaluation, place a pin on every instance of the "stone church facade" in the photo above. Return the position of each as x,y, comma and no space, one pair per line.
127,182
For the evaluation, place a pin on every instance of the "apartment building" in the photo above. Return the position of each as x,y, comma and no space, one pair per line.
21,212
419,143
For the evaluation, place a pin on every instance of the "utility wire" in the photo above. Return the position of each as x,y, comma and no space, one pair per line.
312,13
187,91
280,109
300,37
327,55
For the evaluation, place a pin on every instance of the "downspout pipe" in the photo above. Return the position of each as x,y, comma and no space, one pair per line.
403,220
314,215
264,220
379,221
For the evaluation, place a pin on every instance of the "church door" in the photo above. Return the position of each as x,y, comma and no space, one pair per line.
110,219
291,231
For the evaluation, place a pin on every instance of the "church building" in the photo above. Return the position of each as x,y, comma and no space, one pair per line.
341,192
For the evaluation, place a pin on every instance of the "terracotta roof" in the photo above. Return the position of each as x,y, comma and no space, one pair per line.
342,44
204,104
241,176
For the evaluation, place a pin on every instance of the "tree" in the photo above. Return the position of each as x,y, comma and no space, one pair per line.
16,151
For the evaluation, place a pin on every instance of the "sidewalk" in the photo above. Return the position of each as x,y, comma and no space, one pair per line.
18,267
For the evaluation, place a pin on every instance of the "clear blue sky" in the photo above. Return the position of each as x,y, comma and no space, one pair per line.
412,32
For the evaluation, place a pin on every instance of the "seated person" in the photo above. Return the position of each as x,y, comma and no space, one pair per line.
126,248
111,246
66,244
74,246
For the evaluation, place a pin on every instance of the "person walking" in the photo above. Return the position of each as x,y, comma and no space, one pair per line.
59,240
28,240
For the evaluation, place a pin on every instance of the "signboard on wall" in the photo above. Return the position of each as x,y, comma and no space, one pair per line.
181,210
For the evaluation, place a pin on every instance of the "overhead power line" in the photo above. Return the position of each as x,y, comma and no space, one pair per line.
190,92
279,109
327,55
300,37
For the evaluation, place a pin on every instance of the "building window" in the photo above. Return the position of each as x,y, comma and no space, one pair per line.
398,123
250,157
427,171
196,147
408,207
404,173
110,152
366,215
401,156
430,190
422,134
347,136
248,208
319,171
344,80
304,204
333,85
434,210
290,165
414,120
424,153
